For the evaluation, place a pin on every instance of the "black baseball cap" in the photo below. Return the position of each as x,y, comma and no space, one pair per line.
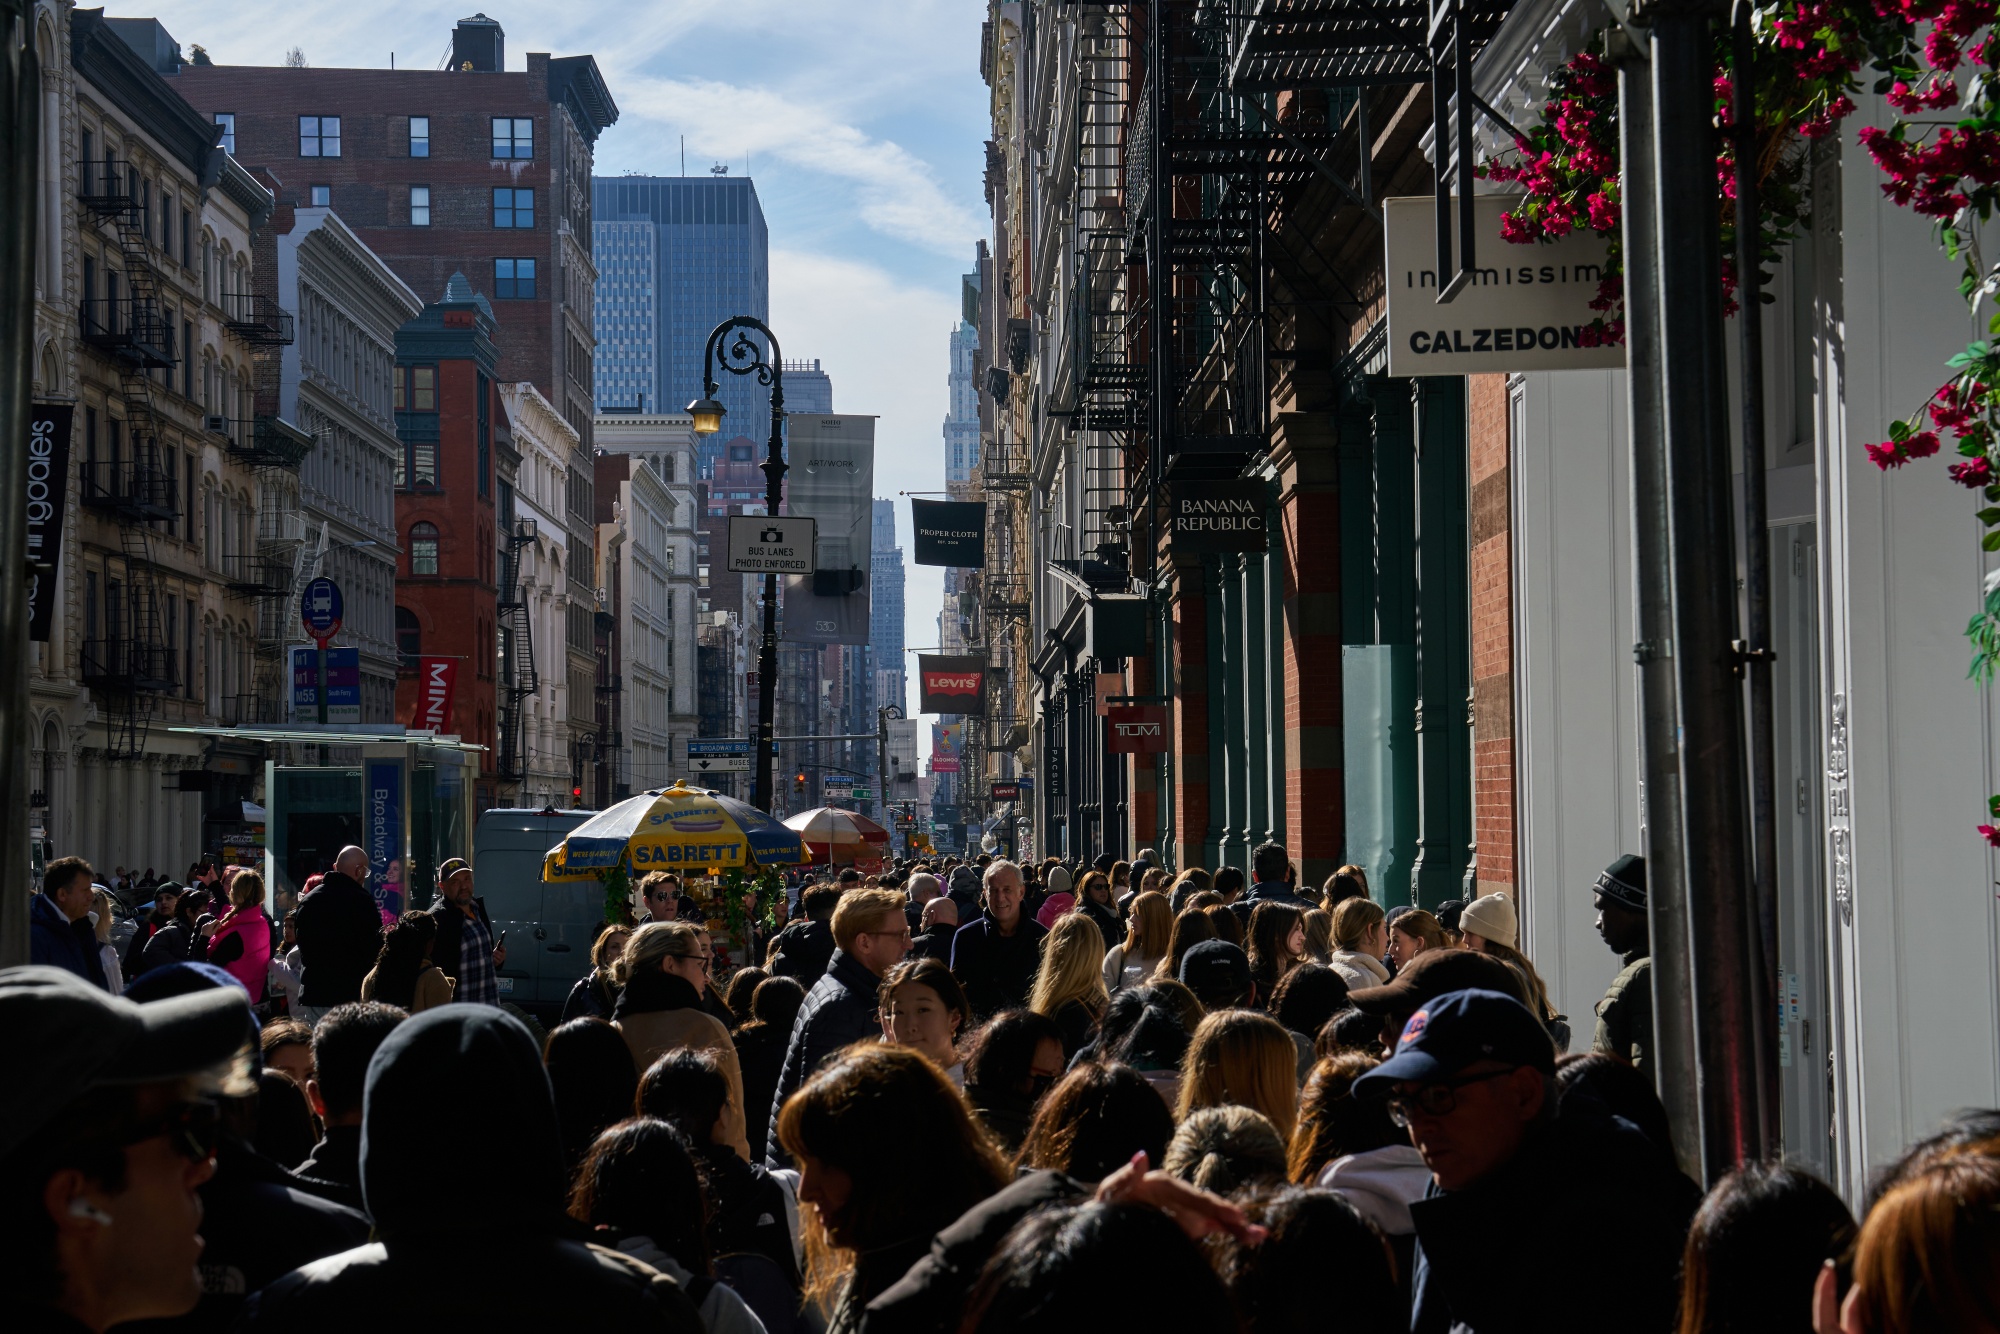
1214,968
452,868
70,1037
1432,974
1456,1029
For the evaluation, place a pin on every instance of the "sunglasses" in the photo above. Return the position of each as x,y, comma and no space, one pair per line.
1437,1099
192,1128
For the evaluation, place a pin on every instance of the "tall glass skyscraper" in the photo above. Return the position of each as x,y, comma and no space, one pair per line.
676,256
885,606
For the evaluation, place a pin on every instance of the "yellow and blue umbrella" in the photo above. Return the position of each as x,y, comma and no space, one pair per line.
679,828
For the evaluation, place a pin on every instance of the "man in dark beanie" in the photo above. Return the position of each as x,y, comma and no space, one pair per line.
1625,1015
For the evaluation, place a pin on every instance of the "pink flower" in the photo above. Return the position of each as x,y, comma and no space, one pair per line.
1514,229
1990,834
1603,213
1885,456
1921,445
1973,473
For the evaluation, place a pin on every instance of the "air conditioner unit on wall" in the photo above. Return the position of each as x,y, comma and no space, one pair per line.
215,424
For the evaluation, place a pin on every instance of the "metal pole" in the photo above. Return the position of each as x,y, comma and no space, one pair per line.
1758,657
882,760
767,661
1675,1060
20,129
1694,401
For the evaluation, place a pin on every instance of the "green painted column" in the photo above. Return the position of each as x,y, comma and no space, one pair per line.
1258,728
1218,731
1444,642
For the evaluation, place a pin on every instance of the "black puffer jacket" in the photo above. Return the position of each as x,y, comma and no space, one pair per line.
470,1228
840,1009
340,934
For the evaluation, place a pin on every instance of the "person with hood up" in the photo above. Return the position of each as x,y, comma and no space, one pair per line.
158,913
870,936
340,933
469,1233
996,956
660,1009
964,891
60,930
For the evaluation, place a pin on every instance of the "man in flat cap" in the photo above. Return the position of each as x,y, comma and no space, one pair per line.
1625,1015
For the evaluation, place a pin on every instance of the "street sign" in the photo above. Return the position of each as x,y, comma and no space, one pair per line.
725,764
320,609
1137,729
716,747
343,684
862,793
837,780
764,544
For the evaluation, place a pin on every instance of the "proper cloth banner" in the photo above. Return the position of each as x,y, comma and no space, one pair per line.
832,482
951,684
950,532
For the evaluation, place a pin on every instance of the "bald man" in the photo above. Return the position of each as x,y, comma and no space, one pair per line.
339,933
940,924
921,889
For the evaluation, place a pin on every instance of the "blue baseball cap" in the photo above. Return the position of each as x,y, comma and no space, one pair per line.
1453,1031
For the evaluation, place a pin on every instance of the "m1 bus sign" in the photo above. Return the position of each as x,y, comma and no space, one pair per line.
1137,729
321,609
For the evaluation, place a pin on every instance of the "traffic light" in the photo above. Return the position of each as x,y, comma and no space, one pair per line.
799,784
576,794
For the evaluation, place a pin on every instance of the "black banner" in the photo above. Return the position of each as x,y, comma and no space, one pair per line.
1219,516
48,489
950,532
955,685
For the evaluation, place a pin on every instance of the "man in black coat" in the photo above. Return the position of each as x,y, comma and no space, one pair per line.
1268,863
940,925
995,957
339,934
805,948
871,936
1518,1181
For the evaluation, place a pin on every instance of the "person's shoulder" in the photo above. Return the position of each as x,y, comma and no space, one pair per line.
655,1299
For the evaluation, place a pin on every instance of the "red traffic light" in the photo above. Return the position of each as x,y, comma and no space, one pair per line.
576,793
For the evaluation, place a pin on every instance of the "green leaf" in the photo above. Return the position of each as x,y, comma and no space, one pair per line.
1974,354
1990,515
1899,432
1990,542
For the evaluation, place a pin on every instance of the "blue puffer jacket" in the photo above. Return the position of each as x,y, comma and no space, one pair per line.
60,943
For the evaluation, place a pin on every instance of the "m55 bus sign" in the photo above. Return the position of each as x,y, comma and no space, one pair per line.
1527,307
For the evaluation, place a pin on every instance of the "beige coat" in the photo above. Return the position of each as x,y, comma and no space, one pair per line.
433,988
653,1034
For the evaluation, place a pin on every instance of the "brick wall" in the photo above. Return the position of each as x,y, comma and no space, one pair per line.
1492,635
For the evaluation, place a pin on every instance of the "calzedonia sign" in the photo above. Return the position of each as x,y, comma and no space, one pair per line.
1230,515
1526,307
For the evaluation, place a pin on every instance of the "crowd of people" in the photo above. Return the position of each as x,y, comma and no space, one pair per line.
953,1096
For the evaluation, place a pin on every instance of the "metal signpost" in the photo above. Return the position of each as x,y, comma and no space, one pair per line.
321,609
718,756
760,544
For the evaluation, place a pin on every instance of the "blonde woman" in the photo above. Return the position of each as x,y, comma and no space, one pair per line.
1413,933
1360,939
1131,961
596,993
240,940
1319,935
1069,986
1244,1059
661,975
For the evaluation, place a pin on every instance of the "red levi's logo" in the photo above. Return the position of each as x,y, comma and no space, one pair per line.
954,684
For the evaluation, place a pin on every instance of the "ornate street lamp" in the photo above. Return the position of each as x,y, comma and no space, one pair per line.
742,356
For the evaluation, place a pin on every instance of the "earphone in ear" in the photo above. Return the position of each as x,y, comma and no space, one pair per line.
82,1208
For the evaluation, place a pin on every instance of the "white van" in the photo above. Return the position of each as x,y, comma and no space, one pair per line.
550,928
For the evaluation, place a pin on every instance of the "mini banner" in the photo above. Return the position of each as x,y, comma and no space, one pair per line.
950,532
1219,515
437,683
951,685
1137,729
48,489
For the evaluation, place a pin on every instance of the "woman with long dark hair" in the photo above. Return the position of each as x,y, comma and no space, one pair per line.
590,1068
403,974
873,1205
1756,1248
1014,1059
1277,946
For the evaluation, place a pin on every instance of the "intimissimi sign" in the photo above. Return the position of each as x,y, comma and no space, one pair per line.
1219,516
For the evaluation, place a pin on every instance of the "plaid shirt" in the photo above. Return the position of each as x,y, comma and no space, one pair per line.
477,984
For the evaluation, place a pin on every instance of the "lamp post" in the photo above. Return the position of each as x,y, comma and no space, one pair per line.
882,717
742,356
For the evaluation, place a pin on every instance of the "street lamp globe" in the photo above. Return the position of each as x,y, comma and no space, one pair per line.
707,413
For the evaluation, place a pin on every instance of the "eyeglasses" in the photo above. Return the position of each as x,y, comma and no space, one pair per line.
1439,1098
705,962
192,1128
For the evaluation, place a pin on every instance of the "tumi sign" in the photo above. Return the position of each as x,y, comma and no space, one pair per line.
951,684
1137,729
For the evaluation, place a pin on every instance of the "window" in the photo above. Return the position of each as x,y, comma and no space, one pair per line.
227,121
319,136
409,638
189,687
420,206
514,278
484,458
420,136
513,208
513,138
423,548
416,389
187,242
321,195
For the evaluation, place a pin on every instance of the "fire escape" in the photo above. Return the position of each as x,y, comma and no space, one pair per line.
129,661
518,681
273,571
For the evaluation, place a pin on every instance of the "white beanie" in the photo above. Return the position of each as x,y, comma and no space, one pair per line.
1493,918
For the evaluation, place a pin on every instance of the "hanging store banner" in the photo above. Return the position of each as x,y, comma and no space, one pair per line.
1137,729
1526,308
947,739
951,684
831,482
1219,516
48,491
437,684
950,532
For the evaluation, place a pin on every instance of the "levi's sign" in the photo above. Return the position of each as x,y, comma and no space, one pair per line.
1526,308
951,684
1219,515
761,544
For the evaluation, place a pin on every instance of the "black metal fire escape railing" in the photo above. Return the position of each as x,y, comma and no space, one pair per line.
519,681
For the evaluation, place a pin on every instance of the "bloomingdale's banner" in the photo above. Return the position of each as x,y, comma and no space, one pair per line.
951,684
832,482
1526,308
950,532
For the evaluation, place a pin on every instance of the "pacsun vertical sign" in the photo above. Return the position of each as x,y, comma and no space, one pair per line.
48,489
437,683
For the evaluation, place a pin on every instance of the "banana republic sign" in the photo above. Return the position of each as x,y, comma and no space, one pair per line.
1219,516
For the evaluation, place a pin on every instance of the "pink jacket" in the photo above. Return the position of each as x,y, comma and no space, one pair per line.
251,966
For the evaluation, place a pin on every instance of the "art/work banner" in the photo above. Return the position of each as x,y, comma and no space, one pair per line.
437,685
832,482
947,739
951,684
48,490
950,532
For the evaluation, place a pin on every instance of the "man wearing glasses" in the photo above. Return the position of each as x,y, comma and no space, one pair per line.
1518,1178
660,895
104,1149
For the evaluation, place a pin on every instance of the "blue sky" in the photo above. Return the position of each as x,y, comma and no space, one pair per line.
862,125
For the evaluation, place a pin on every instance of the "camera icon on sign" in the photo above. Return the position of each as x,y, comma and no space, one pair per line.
771,535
